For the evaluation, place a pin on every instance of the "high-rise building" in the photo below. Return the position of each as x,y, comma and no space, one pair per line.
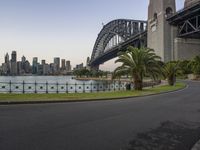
56,65
14,63
14,56
63,65
39,69
68,66
23,59
46,69
27,67
19,68
88,63
6,66
34,65
43,62
79,66
52,68
4,69
7,58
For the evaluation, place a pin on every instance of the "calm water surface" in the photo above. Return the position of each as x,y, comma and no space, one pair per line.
41,79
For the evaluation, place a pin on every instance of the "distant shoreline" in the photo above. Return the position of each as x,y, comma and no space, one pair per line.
101,79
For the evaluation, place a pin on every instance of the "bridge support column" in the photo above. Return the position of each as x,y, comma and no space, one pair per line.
160,33
186,48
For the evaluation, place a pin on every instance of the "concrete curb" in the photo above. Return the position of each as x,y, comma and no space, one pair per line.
86,100
196,146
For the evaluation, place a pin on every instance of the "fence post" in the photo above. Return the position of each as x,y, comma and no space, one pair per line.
75,88
66,87
97,87
109,87
114,85
35,87
57,88
119,85
47,87
23,87
83,87
91,87
10,87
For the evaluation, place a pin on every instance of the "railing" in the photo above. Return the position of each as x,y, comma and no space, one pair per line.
23,87
36,87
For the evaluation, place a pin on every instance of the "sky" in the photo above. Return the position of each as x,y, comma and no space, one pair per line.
61,28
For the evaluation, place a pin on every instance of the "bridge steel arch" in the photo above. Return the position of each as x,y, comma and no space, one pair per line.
131,32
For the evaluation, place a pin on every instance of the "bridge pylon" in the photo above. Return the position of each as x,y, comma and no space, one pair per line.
160,33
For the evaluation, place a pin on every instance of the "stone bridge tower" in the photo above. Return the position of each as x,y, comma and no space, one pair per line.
160,34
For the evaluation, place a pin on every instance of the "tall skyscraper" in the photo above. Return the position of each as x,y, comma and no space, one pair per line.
19,68
14,63
68,66
56,65
7,58
23,59
43,62
34,65
63,66
27,67
6,66
14,56
46,69
88,63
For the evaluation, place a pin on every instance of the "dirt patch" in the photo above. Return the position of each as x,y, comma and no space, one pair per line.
168,136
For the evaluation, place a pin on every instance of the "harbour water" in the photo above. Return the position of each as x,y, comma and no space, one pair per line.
41,79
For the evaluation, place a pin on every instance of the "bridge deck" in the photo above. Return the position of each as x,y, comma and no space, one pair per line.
184,14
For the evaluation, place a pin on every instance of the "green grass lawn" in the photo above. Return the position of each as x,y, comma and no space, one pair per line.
87,96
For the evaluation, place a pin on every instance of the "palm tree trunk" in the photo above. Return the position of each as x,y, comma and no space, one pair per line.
138,84
171,80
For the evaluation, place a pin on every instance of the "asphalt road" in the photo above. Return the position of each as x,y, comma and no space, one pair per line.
100,125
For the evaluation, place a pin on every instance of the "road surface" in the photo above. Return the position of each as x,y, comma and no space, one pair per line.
98,125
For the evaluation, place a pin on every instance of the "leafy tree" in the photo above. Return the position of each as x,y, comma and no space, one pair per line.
185,67
195,65
82,72
138,63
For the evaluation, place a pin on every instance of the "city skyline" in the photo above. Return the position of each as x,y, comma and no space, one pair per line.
47,29
13,66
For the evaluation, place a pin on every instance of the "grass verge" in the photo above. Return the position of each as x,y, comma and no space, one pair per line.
86,96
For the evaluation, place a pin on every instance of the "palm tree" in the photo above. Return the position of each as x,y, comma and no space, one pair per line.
185,67
138,63
170,70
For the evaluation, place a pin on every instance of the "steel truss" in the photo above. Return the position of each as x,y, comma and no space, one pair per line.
117,29
189,27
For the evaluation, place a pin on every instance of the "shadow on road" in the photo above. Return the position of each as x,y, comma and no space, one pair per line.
168,136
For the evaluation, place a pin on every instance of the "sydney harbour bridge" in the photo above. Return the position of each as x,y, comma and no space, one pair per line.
117,35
